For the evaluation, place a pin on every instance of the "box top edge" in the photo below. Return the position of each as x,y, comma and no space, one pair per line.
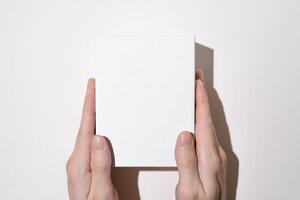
147,36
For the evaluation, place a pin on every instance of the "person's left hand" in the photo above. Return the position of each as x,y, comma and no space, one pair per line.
89,166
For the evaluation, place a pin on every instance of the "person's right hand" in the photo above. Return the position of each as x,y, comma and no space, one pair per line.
201,161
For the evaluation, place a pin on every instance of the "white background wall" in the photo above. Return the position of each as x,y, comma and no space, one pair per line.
46,56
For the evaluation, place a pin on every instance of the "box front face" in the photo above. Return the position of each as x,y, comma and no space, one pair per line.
145,96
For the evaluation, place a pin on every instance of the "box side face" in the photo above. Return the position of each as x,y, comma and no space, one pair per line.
144,96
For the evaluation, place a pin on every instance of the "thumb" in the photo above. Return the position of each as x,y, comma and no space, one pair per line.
100,161
186,159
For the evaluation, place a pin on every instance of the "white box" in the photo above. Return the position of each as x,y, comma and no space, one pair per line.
144,96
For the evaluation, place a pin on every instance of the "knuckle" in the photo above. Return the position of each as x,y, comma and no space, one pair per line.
188,162
72,172
186,192
69,165
214,162
223,157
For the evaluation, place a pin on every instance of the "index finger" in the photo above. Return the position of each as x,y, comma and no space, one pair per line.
206,140
87,125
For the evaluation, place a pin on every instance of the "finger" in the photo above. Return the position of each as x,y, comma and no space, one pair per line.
207,145
186,159
86,130
88,112
100,162
78,165
204,124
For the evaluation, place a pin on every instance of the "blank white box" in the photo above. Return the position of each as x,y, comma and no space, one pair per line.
144,96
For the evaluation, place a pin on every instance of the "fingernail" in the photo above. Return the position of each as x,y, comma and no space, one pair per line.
99,143
186,139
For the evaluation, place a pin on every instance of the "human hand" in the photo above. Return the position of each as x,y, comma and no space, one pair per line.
200,159
89,166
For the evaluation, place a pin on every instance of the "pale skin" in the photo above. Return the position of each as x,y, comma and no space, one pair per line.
200,159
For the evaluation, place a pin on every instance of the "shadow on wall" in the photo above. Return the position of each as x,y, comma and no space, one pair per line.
126,178
205,60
